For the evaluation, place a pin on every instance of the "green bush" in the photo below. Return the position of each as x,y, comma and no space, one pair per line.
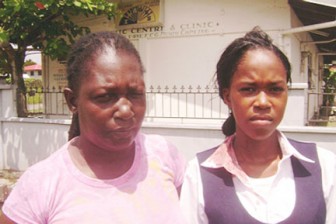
36,98
33,83
34,90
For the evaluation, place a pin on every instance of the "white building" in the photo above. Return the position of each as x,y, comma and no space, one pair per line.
182,46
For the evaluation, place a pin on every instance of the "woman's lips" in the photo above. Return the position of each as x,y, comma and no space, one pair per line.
261,120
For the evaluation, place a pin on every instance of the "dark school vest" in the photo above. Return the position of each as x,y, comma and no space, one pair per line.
222,204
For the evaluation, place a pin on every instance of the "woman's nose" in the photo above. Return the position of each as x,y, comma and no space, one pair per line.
262,100
124,110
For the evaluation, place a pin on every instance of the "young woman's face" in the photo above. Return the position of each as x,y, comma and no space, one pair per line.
111,102
258,94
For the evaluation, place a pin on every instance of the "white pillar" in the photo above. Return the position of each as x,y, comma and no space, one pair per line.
7,101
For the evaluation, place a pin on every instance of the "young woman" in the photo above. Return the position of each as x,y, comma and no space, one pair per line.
257,175
110,172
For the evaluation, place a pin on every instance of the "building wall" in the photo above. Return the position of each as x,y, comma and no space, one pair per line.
37,74
25,141
195,34
185,49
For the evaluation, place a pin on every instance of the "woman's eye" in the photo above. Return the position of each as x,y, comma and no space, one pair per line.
136,95
106,97
277,89
247,89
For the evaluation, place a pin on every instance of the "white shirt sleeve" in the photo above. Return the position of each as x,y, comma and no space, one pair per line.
191,199
328,168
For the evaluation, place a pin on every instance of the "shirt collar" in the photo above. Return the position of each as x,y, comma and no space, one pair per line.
289,150
224,156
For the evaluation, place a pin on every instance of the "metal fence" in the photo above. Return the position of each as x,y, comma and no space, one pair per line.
162,103
178,104
46,102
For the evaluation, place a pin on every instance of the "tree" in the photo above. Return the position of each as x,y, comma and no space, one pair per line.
44,25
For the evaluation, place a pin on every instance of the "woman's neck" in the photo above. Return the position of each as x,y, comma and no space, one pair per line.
258,158
100,163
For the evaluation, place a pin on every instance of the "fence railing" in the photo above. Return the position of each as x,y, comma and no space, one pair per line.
178,103
162,103
46,102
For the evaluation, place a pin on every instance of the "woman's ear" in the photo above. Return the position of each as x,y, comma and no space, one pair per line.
71,99
226,97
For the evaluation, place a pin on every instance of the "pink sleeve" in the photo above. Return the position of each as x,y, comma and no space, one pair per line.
169,156
178,164
22,205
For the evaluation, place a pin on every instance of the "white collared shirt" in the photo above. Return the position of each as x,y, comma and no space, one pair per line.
269,200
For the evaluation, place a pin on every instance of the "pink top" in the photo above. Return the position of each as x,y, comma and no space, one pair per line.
55,191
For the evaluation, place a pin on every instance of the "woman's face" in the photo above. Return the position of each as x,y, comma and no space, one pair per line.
258,94
111,102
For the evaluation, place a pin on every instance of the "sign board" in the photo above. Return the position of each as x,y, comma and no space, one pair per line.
142,13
